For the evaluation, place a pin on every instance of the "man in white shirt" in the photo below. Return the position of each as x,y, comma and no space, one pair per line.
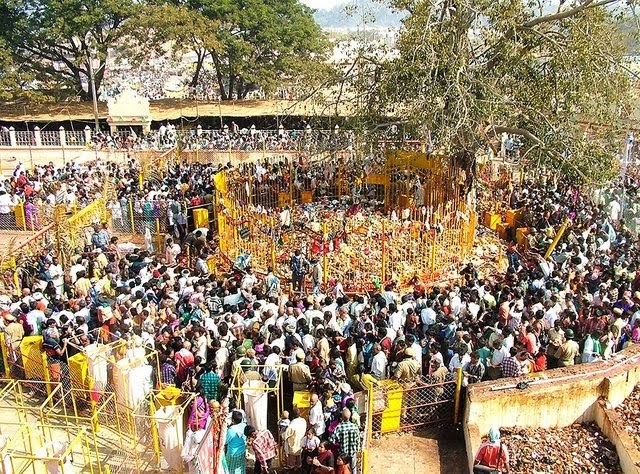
389,295
330,306
428,315
200,343
35,318
316,416
396,319
172,251
379,363
5,204
271,364
417,349
494,367
313,312
233,298
455,303
248,280
57,275
460,359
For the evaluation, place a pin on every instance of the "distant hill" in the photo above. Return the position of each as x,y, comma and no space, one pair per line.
358,13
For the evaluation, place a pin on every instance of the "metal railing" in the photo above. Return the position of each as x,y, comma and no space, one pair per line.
49,138
25,139
75,138
194,139
5,138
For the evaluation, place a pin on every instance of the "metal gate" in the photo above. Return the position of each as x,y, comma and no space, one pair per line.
403,407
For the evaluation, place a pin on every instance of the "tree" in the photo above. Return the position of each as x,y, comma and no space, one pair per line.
177,23
470,70
261,42
58,39
9,80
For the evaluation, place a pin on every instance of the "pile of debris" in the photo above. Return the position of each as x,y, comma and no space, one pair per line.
574,449
629,412
488,255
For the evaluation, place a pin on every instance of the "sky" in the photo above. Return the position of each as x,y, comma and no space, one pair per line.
323,4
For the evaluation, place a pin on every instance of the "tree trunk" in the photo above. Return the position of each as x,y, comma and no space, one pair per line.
98,77
232,85
218,65
196,75
84,95
240,88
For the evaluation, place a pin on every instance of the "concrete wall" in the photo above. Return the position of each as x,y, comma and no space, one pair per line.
611,425
563,397
9,157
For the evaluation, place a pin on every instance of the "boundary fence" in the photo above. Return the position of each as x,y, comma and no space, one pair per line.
419,236
431,400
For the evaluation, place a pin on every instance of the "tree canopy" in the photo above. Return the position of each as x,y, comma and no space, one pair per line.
258,43
251,43
469,70
57,39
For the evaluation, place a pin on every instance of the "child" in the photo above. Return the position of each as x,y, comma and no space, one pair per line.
343,464
283,423
310,445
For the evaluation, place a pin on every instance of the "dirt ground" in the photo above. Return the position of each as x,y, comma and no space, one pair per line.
418,453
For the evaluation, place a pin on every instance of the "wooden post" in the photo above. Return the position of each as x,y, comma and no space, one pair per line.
16,280
133,224
235,229
387,189
339,176
5,361
186,217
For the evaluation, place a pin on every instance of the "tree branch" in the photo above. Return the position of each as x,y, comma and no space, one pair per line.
513,131
567,13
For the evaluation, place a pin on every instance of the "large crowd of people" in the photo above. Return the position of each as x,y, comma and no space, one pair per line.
209,327
228,138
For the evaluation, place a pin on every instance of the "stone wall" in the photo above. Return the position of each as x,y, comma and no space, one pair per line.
563,397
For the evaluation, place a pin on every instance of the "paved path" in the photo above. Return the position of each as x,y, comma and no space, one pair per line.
417,453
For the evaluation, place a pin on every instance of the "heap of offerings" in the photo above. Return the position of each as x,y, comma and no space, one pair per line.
574,449
629,412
